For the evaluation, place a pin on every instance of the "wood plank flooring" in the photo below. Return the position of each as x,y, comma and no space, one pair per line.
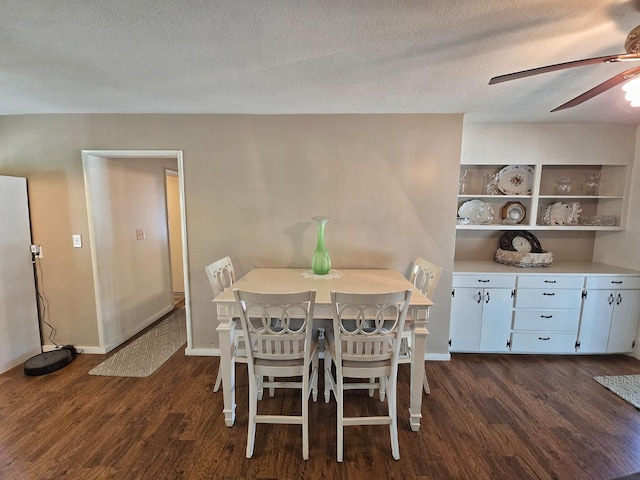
488,417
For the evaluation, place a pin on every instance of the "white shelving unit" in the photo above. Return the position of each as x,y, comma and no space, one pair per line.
610,200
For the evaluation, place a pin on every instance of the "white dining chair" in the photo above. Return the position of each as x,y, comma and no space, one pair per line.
222,276
424,276
364,344
279,328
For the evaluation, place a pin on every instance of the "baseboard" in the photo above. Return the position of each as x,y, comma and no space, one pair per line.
202,352
123,338
439,357
79,348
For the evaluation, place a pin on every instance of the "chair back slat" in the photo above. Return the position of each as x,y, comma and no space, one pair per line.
278,325
425,276
369,326
221,275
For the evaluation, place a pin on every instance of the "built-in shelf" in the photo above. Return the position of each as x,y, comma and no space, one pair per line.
609,203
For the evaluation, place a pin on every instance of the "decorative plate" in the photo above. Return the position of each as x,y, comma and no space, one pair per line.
479,212
562,213
514,211
515,180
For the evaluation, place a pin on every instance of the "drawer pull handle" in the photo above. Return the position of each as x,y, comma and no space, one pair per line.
544,338
546,316
484,281
616,282
549,281
549,294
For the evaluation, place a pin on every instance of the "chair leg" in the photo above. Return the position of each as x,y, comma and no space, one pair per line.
216,387
272,390
327,377
425,384
340,427
253,410
372,390
260,388
393,426
305,417
384,381
315,373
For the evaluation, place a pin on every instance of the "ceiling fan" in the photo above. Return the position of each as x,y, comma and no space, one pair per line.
632,47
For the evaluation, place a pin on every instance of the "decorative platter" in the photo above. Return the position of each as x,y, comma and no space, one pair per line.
477,211
515,180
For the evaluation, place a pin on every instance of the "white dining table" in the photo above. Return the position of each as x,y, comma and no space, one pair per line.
283,280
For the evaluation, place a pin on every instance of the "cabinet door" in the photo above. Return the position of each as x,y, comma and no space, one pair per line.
595,322
466,319
624,323
497,311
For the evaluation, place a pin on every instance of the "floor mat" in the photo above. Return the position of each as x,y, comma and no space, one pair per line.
625,386
146,354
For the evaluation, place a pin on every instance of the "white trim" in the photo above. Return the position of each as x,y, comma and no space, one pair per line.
438,357
202,352
79,348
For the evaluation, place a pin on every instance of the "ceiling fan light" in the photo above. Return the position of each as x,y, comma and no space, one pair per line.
632,89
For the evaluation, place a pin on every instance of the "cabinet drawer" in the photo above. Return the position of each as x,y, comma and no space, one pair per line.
484,281
550,320
613,282
538,298
550,281
546,342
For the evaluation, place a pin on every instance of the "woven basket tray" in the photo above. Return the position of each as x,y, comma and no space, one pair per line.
523,259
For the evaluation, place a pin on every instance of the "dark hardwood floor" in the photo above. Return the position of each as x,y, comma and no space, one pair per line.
488,417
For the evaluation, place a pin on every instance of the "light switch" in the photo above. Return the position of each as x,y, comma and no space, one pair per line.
77,241
140,234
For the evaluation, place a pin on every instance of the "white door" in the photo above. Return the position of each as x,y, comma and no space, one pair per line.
466,319
19,331
595,323
496,320
624,323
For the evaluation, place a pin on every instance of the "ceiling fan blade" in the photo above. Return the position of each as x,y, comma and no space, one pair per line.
603,87
623,57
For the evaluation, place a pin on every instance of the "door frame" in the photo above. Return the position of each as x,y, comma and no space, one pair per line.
91,155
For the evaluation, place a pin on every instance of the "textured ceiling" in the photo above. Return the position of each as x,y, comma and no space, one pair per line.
312,56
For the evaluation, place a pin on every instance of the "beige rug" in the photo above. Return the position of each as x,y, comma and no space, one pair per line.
147,353
626,387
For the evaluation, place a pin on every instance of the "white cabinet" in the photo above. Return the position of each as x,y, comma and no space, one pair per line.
610,314
481,312
546,313
568,308
602,208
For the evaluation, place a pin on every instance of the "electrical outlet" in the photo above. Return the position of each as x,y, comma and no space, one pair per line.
36,250
140,235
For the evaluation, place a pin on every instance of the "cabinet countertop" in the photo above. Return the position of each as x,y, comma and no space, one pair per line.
556,268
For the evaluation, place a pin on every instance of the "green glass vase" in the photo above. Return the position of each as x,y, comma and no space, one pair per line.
321,261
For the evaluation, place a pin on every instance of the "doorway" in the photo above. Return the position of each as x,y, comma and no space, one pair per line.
129,239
